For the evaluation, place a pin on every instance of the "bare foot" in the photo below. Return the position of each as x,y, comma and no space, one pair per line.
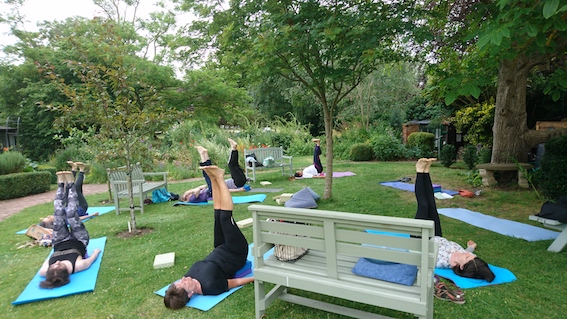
213,171
233,144
61,177
81,166
421,165
73,165
200,149
429,162
316,140
69,177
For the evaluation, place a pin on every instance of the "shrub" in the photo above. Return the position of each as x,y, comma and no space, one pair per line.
423,141
12,162
484,155
554,168
361,152
52,170
72,153
448,155
23,184
387,147
470,157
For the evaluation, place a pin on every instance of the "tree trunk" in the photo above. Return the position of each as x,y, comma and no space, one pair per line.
328,118
510,118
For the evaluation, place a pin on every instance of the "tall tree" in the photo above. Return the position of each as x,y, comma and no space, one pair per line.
501,42
329,47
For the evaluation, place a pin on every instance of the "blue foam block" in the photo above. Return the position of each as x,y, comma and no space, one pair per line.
91,210
83,281
255,198
205,303
503,275
499,225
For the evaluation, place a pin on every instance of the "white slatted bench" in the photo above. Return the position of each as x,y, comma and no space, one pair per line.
336,241
561,241
280,160
118,180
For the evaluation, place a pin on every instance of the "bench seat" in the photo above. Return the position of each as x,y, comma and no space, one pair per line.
282,161
487,170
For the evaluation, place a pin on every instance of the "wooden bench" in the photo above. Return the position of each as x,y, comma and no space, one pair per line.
280,160
118,180
336,241
561,241
487,170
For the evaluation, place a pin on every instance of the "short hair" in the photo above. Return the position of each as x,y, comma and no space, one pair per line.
298,174
475,268
55,278
175,298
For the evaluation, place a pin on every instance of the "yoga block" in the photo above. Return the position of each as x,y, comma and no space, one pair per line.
164,260
284,198
436,188
265,183
245,222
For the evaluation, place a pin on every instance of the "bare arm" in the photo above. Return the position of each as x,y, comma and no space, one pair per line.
83,264
235,282
240,189
44,267
195,191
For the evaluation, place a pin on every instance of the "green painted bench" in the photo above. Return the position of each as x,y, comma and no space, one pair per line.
280,160
561,241
336,240
118,181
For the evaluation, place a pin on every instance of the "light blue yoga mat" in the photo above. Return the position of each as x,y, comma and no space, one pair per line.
83,281
411,187
499,225
235,199
91,210
205,303
502,275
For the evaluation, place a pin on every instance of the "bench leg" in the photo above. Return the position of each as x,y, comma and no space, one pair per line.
559,243
522,180
487,177
260,298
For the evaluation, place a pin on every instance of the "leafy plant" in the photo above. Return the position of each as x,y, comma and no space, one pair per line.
361,152
448,155
470,156
387,147
12,162
423,141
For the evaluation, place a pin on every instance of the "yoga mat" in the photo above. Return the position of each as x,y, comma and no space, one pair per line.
205,303
91,210
503,275
341,174
265,190
83,281
411,187
499,225
235,199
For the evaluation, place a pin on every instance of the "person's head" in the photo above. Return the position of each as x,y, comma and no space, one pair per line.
176,296
57,275
47,222
298,174
475,268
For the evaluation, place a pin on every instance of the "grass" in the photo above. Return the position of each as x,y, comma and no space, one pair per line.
127,280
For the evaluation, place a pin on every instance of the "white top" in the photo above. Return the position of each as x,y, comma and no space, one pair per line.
310,171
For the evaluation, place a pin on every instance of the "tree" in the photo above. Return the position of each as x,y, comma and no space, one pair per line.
328,47
112,97
501,42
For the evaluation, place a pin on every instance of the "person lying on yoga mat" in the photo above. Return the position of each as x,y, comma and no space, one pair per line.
314,170
47,222
70,237
451,255
235,184
214,274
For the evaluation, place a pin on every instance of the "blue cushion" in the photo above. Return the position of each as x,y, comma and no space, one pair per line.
391,272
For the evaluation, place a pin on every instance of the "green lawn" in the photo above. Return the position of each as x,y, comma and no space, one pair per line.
127,280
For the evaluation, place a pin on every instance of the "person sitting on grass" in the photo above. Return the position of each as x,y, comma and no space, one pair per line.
214,274
70,237
314,170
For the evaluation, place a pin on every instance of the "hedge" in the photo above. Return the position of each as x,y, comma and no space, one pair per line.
23,184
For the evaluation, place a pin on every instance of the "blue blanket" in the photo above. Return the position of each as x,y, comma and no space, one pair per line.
235,199
392,272
83,281
91,210
499,225
503,275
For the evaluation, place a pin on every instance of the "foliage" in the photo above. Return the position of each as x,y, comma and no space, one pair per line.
352,133
361,152
553,172
476,123
484,155
473,178
72,153
21,184
448,155
387,147
422,141
12,162
470,156
52,170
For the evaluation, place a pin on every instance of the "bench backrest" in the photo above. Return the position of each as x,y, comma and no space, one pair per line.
120,174
262,153
343,234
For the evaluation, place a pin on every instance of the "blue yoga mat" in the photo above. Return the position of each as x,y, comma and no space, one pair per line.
91,210
411,187
499,225
205,303
83,281
235,199
503,275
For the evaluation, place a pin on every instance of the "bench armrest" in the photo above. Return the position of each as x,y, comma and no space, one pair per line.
163,174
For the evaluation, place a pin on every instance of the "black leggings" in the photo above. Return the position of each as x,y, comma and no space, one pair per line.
426,208
65,205
79,187
231,247
317,159
236,171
